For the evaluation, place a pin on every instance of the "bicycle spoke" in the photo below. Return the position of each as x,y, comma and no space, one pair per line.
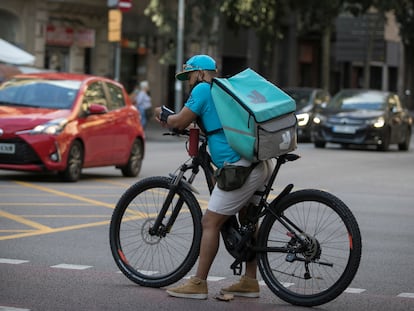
318,257
155,257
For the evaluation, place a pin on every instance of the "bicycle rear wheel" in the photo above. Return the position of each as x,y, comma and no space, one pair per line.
321,271
155,260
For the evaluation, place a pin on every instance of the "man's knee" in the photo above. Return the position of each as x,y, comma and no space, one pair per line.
213,220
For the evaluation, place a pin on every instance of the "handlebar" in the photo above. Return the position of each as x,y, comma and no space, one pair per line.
184,132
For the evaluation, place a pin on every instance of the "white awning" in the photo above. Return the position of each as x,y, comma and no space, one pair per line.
11,54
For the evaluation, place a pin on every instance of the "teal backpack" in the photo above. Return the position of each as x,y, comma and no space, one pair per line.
258,118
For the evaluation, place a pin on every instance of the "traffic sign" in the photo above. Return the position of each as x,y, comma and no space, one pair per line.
125,5
114,25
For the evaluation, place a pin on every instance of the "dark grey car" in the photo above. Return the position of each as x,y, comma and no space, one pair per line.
307,98
363,117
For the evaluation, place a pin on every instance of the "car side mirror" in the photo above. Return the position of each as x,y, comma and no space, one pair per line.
97,109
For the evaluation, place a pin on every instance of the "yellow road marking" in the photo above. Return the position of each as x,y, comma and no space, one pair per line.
66,216
14,230
62,229
46,204
41,229
25,221
64,194
116,183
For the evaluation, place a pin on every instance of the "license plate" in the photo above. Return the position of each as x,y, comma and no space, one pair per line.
7,148
345,129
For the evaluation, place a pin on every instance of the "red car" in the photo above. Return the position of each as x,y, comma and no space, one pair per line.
65,122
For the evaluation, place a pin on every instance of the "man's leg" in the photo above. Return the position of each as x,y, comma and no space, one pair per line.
196,287
251,269
210,240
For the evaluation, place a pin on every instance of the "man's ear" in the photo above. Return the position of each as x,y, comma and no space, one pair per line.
200,76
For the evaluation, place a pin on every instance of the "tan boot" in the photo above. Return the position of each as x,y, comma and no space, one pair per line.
194,288
246,287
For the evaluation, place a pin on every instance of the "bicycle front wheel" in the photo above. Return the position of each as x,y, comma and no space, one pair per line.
319,270
148,258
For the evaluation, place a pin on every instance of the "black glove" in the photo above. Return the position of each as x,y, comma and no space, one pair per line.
165,113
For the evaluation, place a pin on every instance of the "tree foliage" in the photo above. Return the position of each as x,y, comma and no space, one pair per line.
264,16
201,19
270,20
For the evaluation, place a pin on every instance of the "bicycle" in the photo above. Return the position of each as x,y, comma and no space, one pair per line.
308,244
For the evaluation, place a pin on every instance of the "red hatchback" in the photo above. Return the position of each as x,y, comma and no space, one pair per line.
65,122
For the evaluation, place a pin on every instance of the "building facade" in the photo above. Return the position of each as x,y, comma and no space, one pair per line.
72,35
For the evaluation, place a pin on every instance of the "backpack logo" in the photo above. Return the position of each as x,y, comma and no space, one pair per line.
286,141
256,97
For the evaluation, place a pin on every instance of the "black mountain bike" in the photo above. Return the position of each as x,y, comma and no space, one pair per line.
308,245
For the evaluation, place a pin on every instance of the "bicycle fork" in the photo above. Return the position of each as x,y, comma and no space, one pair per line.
159,229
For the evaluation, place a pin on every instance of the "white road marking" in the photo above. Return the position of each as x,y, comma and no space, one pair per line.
209,278
12,262
2,308
147,272
351,290
71,267
406,295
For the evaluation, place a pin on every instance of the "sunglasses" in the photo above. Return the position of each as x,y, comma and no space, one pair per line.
187,67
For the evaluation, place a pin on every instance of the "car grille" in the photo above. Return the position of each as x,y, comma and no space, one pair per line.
24,154
341,121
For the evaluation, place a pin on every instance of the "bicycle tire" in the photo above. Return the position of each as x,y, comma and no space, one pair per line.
325,217
149,260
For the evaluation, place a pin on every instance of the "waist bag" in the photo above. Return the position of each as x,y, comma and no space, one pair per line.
258,118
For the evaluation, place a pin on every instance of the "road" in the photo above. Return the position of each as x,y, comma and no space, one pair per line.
54,250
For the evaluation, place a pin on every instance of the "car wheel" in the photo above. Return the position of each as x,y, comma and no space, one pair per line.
75,161
134,164
405,145
320,144
385,142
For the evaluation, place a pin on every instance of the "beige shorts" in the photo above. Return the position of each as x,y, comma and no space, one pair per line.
231,202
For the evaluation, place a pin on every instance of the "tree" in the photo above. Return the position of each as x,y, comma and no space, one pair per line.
201,22
268,18
272,19
320,15
404,13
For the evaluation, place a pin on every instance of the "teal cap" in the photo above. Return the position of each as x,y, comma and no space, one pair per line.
197,62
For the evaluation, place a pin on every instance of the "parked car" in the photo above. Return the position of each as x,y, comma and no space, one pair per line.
65,122
307,99
363,117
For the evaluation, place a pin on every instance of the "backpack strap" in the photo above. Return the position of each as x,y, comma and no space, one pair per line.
209,133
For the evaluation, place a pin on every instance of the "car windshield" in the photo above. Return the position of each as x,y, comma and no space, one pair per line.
301,97
358,100
39,93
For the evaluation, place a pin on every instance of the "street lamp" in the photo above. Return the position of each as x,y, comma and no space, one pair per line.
179,61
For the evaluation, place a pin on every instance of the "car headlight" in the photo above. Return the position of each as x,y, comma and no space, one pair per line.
53,127
303,119
377,122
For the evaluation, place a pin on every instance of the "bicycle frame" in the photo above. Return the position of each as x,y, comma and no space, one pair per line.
203,160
